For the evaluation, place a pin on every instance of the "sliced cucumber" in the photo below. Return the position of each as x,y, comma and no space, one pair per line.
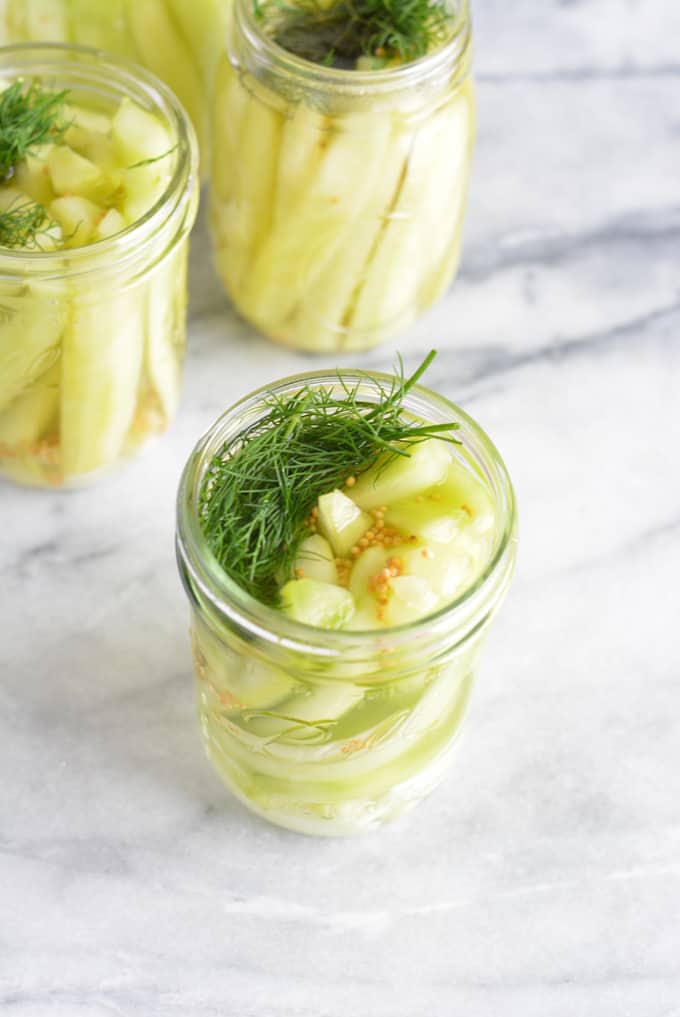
234,682
319,604
321,320
78,218
448,569
165,329
112,222
244,221
101,23
32,175
163,50
315,560
71,173
33,414
101,365
341,521
137,134
31,323
426,465
46,20
295,251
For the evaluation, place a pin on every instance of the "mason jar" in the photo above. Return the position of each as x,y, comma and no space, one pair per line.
338,196
179,41
332,732
92,336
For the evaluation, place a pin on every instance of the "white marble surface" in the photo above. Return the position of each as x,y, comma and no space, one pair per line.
543,880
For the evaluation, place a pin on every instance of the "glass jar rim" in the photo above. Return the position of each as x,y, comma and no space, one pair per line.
465,615
110,70
441,63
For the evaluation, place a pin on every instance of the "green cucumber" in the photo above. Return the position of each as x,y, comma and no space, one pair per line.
165,329
316,225
33,414
315,560
46,20
319,604
164,51
341,521
32,320
101,367
322,318
100,23
425,465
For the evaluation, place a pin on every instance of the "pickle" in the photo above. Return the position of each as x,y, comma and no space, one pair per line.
297,248
101,369
31,415
163,50
32,319
100,23
46,19
165,317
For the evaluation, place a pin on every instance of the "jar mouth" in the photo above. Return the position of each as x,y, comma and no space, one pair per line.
465,615
442,62
93,68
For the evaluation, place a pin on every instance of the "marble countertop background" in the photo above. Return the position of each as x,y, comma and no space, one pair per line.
543,880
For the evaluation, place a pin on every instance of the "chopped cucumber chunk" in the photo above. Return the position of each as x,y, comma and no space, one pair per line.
319,604
137,134
71,173
78,218
341,521
112,222
315,560
410,598
425,465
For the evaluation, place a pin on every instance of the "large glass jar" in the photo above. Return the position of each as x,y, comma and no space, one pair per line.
92,337
177,40
331,732
337,196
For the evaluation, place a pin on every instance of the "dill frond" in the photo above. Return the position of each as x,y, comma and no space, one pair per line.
339,33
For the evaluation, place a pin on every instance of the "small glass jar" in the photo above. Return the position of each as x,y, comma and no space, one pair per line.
179,41
337,196
92,337
334,732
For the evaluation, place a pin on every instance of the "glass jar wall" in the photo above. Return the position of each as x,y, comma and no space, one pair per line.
92,335
332,732
338,195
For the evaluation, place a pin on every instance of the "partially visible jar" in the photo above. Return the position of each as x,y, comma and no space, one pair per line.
328,731
338,196
179,41
92,336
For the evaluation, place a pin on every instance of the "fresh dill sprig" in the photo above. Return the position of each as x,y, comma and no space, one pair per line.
260,487
23,223
29,116
339,33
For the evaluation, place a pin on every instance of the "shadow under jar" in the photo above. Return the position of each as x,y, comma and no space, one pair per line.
338,195
336,732
93,310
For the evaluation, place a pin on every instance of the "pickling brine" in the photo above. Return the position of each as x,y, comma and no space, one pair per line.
340,166
98,194
345,543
